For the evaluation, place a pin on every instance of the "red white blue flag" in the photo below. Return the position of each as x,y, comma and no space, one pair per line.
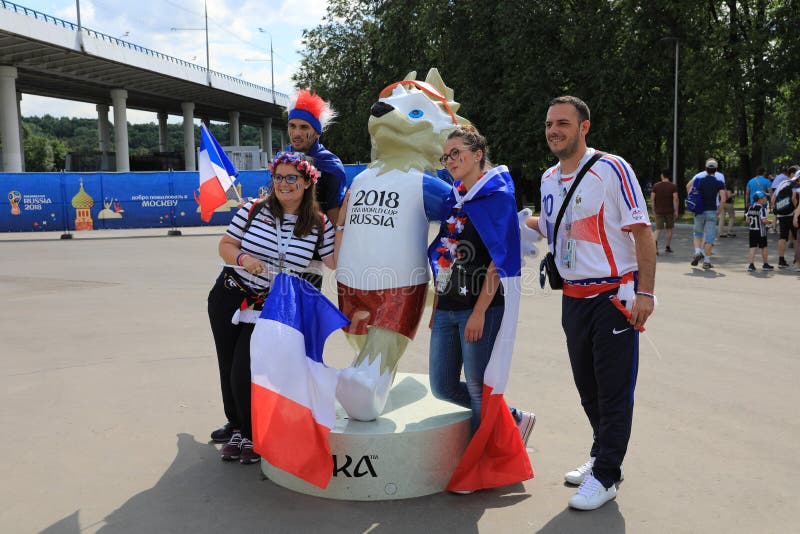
217,174
293,391
496,456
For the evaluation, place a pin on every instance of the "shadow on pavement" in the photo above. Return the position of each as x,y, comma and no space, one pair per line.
199,493
607,519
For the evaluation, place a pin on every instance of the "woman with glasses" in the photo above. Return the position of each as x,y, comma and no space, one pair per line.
282,233
476,260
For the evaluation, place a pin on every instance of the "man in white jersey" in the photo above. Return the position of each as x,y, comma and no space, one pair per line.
606,254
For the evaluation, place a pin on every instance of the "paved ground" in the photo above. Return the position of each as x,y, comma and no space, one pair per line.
108,388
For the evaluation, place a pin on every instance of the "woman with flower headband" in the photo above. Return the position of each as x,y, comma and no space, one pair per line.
476,260
282,233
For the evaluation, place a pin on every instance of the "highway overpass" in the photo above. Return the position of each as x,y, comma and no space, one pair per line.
46,56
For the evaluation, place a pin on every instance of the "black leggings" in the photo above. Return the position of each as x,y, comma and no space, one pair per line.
233,353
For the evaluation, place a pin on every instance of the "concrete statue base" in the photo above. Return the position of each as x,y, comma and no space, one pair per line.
411,450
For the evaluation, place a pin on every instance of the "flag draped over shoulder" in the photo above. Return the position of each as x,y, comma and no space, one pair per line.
217,174
293,391
496,455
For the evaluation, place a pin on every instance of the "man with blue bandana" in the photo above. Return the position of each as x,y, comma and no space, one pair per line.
309,114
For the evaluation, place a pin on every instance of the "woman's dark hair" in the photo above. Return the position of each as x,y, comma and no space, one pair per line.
473,139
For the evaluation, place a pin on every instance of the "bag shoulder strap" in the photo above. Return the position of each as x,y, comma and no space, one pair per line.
586,166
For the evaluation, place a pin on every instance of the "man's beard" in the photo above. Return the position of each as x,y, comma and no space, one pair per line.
569,150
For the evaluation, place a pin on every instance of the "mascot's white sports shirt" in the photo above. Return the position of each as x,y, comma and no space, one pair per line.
594,240
384,242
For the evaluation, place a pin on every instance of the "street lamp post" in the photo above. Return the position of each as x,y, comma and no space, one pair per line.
271,62
208,59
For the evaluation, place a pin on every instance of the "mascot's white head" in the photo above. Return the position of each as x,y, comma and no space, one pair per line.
409,123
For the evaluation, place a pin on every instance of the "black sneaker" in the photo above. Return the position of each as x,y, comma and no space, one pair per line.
782,264
767,267
668,250
751,268
707,265
697,257
222,435
233,449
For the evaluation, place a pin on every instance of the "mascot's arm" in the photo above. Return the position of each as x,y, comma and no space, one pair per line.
529,232
434,195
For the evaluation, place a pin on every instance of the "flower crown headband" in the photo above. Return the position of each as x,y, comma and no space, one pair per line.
297,160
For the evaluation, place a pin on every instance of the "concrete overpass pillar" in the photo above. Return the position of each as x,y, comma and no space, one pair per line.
266,138
283,139
104,133
163,134
21,129
188,136
118,99
9,120
234,127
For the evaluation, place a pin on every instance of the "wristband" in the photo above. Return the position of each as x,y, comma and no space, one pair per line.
339,227
644,294
239,258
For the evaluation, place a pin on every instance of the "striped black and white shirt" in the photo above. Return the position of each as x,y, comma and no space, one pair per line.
260,241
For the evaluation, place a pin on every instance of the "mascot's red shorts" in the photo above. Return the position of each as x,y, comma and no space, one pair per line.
398,309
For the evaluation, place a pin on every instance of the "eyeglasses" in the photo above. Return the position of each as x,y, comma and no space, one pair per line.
453,154
290,178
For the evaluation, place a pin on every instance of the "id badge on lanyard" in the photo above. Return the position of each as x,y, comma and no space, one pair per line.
568,244
442,279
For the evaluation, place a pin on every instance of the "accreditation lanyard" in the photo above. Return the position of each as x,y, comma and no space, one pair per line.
283,244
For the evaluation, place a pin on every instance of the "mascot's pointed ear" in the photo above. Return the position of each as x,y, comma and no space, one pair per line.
436,81
411,75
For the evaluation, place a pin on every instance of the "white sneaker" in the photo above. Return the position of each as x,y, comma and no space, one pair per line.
576,477
526,423
591,494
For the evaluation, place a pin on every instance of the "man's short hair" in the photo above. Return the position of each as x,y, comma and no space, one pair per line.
666,172
583,110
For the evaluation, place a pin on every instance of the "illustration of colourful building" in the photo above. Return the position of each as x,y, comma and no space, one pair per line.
83,203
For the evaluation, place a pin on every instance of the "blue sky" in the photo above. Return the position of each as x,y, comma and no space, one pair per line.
233,27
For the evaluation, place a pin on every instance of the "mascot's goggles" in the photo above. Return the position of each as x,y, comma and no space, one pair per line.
426,88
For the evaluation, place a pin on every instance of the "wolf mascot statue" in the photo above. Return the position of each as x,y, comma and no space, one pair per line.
382,271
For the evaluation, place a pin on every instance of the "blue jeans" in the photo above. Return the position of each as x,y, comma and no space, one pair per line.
705,226
449,352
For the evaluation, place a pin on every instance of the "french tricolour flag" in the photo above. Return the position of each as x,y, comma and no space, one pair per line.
217,174
293,391
496,456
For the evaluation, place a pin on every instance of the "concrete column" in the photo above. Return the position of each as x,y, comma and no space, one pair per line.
104,135
233,127
21,129
283,139
188,136
118,98
162,131
9,120
266,138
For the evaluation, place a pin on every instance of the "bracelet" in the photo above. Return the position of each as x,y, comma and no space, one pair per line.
239,257
644,294
339,227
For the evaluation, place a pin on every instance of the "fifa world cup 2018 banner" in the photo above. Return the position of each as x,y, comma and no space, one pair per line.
38,202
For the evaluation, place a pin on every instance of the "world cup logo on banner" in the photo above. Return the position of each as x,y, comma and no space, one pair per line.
13,198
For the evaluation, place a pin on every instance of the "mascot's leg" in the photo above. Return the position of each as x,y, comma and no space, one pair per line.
363,388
